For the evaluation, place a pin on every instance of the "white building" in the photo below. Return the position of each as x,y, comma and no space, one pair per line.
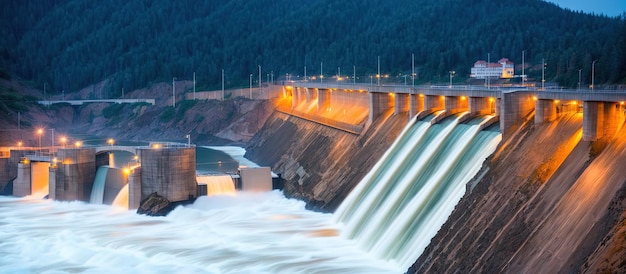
502,69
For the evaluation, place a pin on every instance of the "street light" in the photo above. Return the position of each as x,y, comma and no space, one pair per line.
174,92
543,73
452,72
52,137
40,132
110,141
579,77
188,140
250,86
593,74
63,141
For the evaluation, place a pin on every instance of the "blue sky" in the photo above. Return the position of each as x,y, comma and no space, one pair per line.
607,7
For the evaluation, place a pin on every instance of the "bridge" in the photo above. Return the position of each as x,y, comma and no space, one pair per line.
342,105
82,102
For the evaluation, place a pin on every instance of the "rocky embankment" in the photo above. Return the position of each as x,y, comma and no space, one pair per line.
320,164
206,121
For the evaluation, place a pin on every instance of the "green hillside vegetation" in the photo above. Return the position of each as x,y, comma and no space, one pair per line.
74,43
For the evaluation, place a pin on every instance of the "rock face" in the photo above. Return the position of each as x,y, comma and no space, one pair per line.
321,165
154,205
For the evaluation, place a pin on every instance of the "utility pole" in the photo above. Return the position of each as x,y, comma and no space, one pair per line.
488,71
194,85
378,75
579,77
353,74
222,84
174,92
523,66
259,76
543,73
412,70
321,72
250,86
593,74
304,74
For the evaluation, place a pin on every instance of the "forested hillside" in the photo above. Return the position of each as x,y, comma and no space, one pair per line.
134,43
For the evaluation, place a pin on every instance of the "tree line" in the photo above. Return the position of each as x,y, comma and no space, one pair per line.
71,44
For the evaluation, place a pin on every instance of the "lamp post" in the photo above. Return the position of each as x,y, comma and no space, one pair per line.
523,65
452,72
543,73
63,141
260,76
353,74
305,80
321,72
52,137
188,140
412,69
194,85
593,74
378,75
174,92
250,86
39,133
222,84
579,77
110,141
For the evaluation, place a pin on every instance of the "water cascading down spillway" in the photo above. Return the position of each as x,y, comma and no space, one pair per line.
407,196
217,184
97,191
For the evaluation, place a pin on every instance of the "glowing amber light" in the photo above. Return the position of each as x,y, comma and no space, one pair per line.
127,171
534,98
19,144
78,144
442,97
621,103
110,141
463,98
556,101
156,146
491,99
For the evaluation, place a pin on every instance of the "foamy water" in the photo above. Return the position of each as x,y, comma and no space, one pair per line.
245,233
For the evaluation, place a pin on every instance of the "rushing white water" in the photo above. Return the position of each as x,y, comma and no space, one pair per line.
245,233
97,191
217,184
410,193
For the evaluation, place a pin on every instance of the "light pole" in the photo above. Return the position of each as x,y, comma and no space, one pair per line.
412,69
260,76
194,85
353,74
593,74
378,75
523,66
174,92
488,71
110,141
579,77
222,84
305,80
52,137
321,72
250,86
452,72
543,73
40,132
188,140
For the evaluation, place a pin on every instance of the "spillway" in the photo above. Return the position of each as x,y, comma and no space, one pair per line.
408,195
217,184
97,191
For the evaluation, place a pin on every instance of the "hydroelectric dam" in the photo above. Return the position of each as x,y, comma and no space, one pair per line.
397,205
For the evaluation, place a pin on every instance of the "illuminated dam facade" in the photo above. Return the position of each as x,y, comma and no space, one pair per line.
340,105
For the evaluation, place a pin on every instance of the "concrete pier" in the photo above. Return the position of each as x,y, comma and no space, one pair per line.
71,179
416,104
456,104
545,111
481,105
22,183
168,171
401,103
323,99
379,103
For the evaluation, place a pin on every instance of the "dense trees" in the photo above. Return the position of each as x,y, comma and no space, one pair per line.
71,44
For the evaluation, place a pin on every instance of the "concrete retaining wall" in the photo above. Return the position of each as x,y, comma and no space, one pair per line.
170,172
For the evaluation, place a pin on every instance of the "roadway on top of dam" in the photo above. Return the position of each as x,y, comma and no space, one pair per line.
472,91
